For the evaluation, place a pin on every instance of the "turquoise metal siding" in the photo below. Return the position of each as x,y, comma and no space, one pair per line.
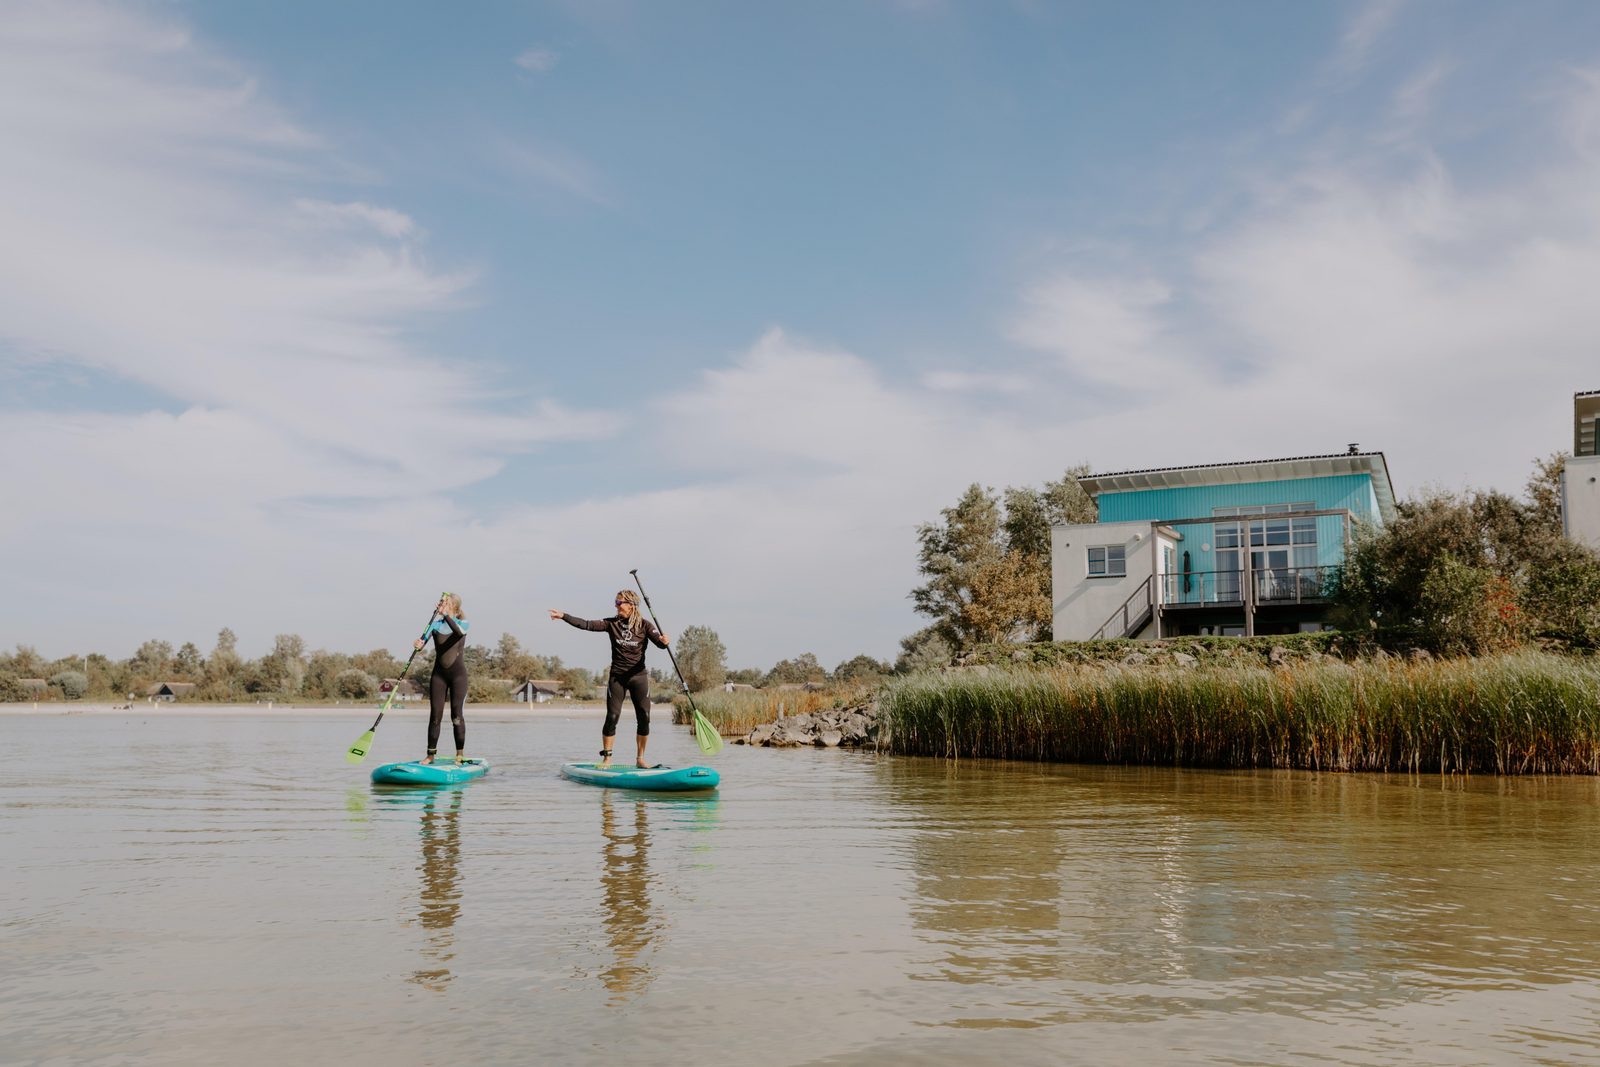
1352,492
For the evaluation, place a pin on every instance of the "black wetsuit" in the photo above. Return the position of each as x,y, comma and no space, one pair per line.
628,676
449,680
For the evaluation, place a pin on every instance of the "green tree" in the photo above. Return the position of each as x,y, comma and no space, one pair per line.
986,562
1470,572
71,684
862,669
153,661
188,663
702,657
12,691
925,650
803,668
353,683
746,676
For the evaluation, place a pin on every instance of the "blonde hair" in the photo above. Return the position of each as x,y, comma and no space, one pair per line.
455,598
636,620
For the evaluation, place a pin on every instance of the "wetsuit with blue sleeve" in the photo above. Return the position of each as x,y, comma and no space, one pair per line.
628,675
449,679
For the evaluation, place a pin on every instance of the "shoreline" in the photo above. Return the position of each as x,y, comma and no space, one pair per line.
552,710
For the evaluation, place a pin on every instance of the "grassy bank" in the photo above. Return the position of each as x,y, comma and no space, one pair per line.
736,714
1514,714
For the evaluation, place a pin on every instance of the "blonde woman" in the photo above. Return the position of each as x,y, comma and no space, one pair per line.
449,681
628,631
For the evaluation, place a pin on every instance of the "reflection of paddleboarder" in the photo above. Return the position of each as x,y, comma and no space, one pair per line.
449,681
625,887
440,899
628,631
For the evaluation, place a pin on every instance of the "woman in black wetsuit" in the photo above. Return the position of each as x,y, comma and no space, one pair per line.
628,631
449,680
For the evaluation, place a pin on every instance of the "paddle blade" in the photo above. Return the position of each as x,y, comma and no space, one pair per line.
705,735
358,751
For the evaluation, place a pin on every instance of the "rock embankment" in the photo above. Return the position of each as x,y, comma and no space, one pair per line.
852,727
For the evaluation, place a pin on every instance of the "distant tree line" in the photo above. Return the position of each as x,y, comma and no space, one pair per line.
289,673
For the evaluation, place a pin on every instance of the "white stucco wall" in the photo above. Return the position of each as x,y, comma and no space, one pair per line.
1082,604
1580,503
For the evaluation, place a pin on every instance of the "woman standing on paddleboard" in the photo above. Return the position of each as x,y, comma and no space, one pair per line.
628,631
449,680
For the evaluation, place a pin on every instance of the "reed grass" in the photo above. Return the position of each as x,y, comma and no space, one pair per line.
1513,714
739,712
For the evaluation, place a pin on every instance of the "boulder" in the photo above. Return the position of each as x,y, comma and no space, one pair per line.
829,738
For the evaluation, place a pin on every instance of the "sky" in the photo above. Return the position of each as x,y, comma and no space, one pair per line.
310,311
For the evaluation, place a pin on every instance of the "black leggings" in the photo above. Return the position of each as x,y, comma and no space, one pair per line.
454,685
637,686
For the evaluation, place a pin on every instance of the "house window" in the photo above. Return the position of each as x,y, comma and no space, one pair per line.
1108,561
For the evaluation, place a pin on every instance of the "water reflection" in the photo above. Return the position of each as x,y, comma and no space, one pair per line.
439,896
629,919
1062,895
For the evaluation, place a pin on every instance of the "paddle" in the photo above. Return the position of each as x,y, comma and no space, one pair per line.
358,751
705,735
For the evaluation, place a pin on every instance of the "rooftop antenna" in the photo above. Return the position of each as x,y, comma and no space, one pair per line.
1354,448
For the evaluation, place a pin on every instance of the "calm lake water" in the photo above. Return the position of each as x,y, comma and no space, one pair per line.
200,889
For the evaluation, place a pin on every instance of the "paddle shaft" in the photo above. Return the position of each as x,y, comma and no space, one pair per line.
405,670
648,607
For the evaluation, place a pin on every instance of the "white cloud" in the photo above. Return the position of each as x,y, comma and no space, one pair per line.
537,60
162,227
1110,330
384,220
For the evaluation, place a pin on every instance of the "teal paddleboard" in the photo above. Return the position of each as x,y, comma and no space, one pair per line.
659,779
445,772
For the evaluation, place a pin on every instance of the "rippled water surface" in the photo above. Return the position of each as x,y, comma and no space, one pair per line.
210,889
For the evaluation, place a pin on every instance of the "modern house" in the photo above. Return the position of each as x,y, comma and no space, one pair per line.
1580,490
1231,549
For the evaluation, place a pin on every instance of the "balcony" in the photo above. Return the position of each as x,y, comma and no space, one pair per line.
1271,586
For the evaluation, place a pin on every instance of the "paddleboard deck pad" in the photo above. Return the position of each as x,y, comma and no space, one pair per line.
445,772
659,779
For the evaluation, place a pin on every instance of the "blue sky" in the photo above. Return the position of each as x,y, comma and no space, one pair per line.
307,311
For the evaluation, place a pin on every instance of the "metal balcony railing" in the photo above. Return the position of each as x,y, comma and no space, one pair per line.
1273,585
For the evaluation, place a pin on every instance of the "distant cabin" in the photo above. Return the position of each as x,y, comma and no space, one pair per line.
409,688
539,691
167,692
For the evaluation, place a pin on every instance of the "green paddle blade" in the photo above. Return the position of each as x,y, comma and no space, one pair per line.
705,735
358,751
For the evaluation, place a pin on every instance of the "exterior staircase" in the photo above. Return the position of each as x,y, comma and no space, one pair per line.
1133,616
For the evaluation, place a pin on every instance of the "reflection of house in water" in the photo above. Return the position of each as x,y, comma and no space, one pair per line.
1228,549
440,897
630,924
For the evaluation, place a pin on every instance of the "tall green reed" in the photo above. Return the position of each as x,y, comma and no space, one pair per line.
1512,714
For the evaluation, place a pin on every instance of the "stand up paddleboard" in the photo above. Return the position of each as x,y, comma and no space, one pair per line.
658,779
445,772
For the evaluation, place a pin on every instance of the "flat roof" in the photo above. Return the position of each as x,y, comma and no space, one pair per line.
1585,409
1253,470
